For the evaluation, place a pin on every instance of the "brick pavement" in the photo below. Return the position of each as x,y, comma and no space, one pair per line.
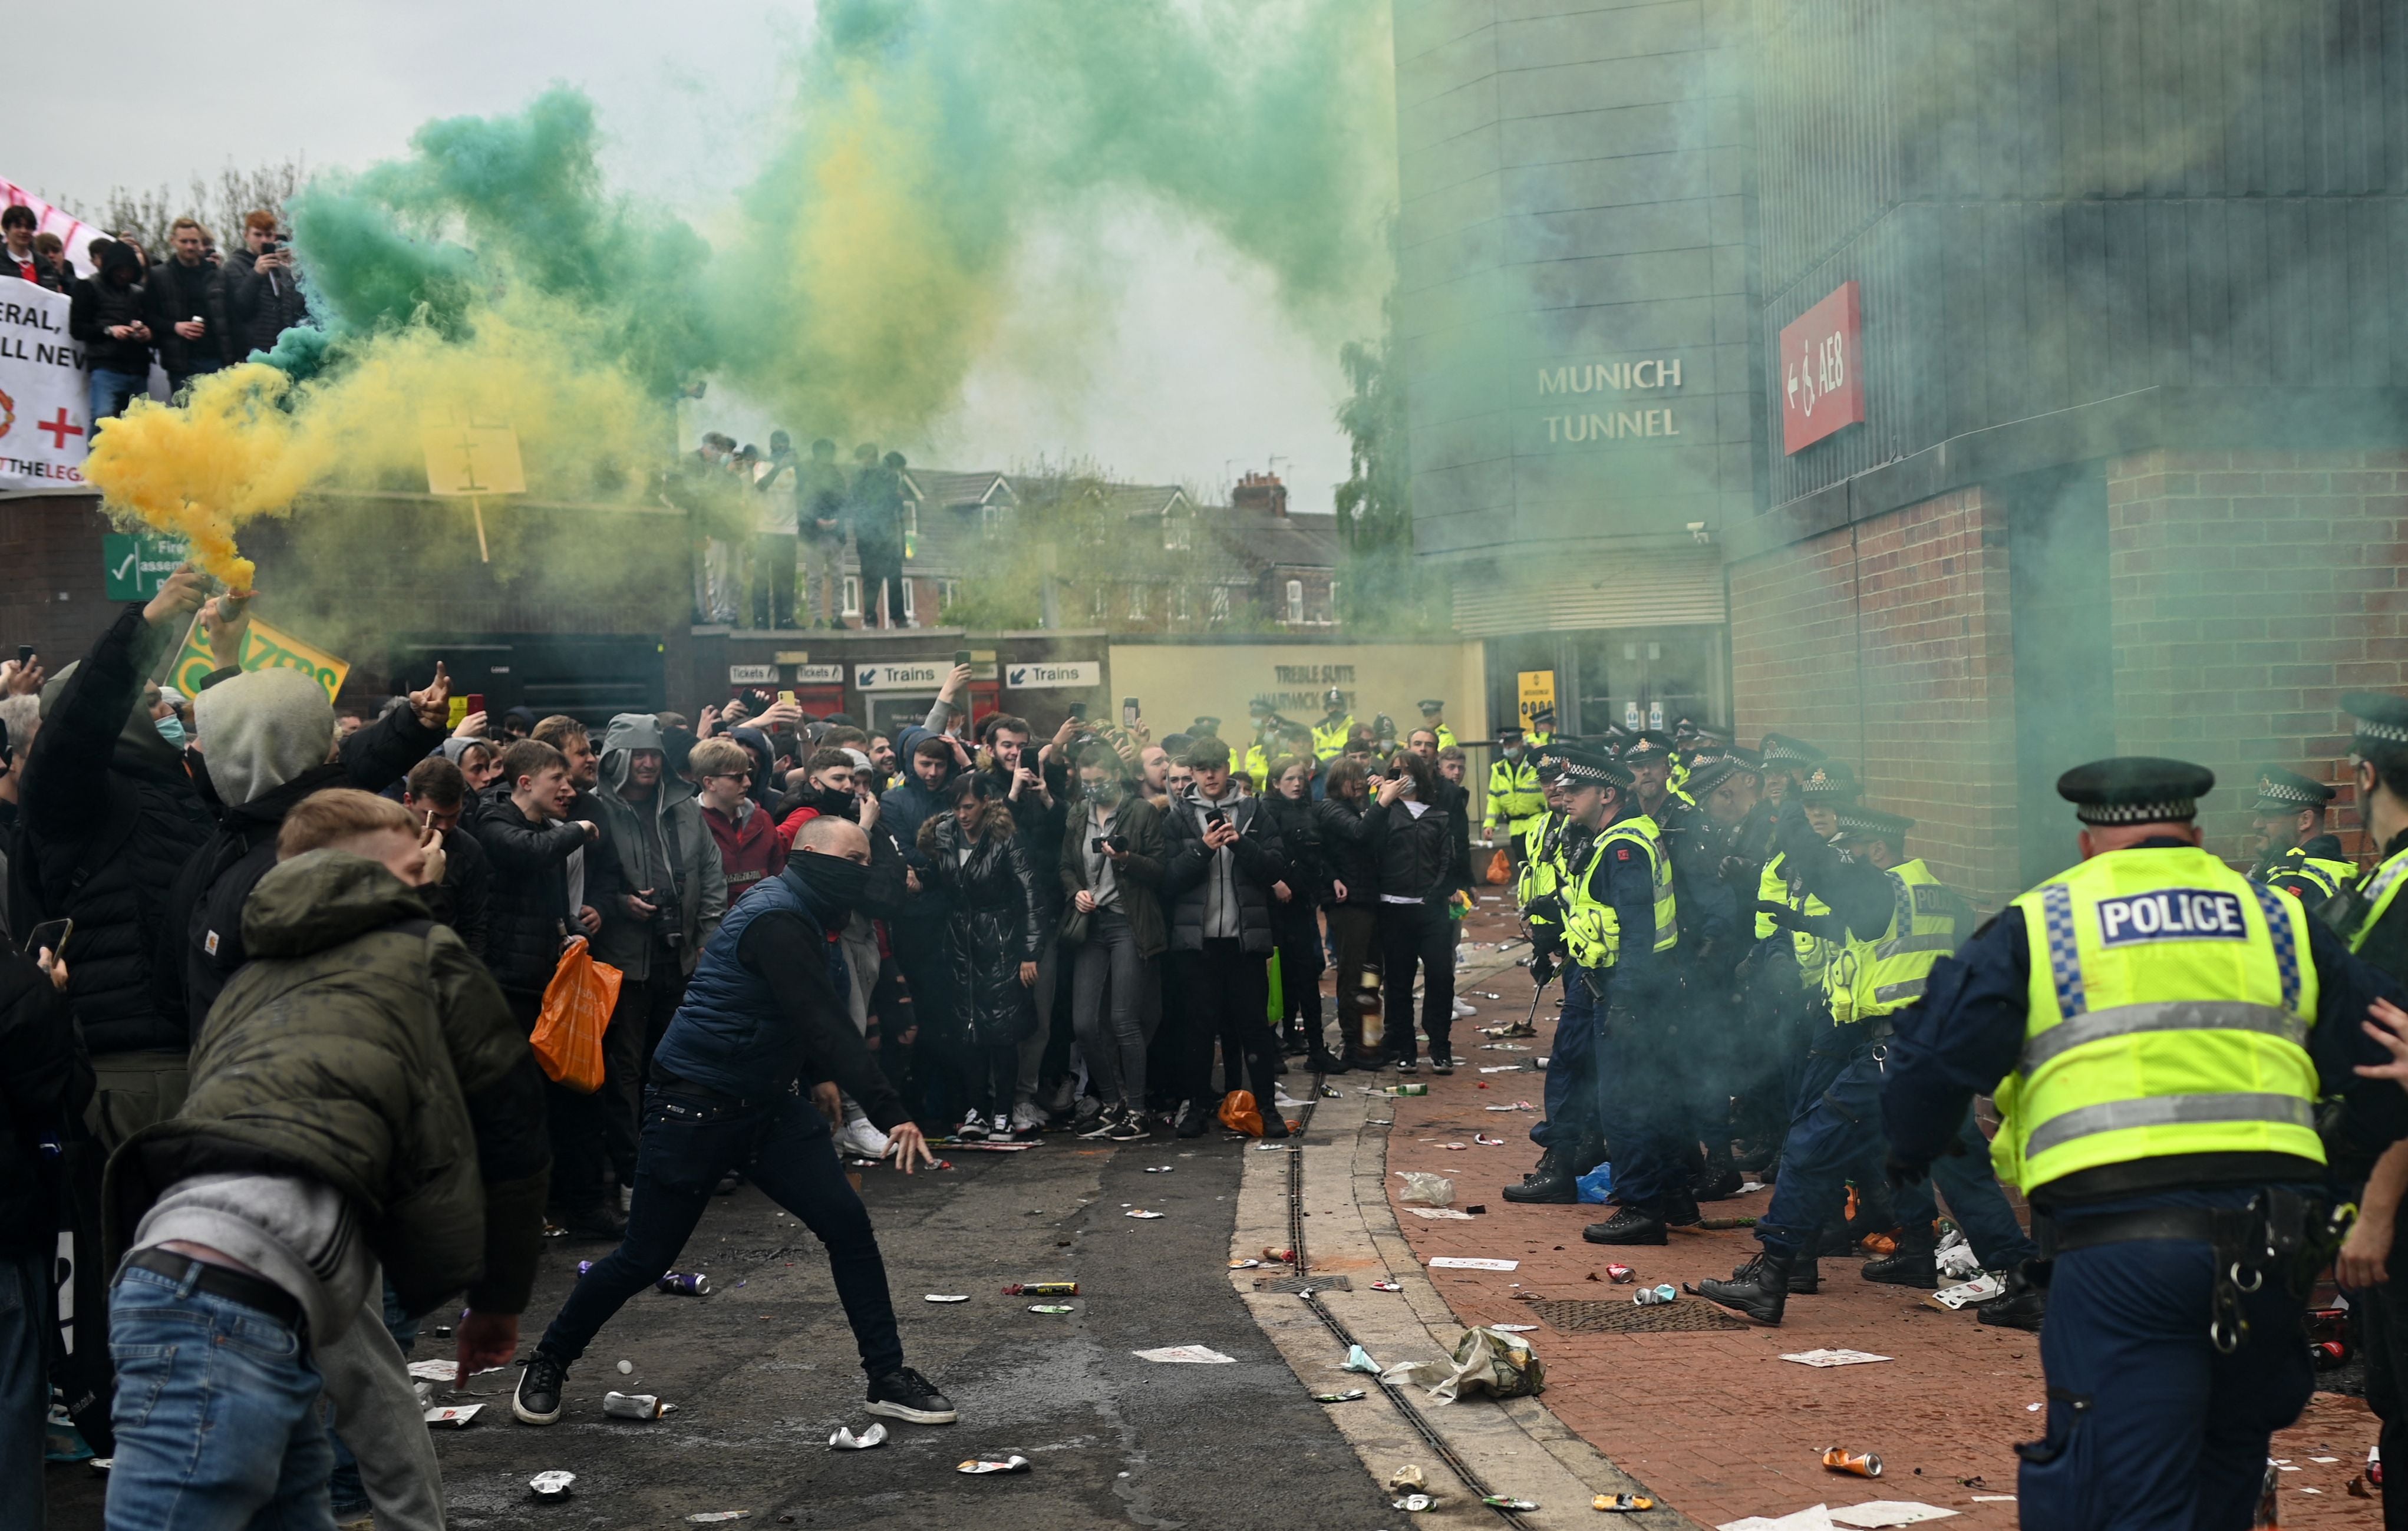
1712,1420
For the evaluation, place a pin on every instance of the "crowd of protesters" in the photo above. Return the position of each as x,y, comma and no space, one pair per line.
271,974
771,530
189,308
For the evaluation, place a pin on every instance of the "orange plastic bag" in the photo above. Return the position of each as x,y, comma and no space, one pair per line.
1238,1113
577,1005
1501,869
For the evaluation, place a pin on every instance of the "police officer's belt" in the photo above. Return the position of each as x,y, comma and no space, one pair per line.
2268,1236
2225,1227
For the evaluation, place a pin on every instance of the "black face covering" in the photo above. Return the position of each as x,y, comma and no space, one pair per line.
1106,792
835,883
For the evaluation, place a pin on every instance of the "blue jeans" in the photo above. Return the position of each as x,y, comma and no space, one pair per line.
1839,1134
112,391
1642,1119
1571,1071
691,1138
2168,1432
215,1414
24,1386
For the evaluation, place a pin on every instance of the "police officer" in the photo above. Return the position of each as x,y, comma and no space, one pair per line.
2158,1031
1721,856
1515,798
1785,760
1256,764
2372,918
1569,1133
1433,713
1898,920
1542,726
1619,926
1205,728
1695,1019
1337,725
2290,812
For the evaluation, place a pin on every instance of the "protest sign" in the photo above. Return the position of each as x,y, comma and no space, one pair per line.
262,649
73,232
44,399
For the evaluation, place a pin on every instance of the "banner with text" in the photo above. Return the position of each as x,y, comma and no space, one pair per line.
262,649
45,398
74,233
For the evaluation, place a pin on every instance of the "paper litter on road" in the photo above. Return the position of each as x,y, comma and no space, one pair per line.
1815,1518
1202,1356
946,1297
1141,1213
1833,1358
454,1418
1981,1288
1994,1499
1413,1374
1440,1213
444,1371
1504,1069
1459,1262
1874,1514
1512,1329
2327,1460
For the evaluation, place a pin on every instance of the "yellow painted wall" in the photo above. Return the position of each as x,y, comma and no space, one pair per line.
1174,682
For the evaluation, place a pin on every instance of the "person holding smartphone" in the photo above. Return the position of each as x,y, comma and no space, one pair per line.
1223,856
1110,867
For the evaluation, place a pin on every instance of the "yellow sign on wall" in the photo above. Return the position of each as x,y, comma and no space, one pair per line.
1537,693
262,649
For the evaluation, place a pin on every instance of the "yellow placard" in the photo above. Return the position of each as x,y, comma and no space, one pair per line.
1537,693
262,649
472,459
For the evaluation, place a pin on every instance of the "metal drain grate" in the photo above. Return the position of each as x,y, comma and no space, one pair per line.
1687,1316
1299,1283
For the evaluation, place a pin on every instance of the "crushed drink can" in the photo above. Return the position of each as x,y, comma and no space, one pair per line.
1621,1275
1286,1257
1841,1459
1041,1289
633,1405
692,1284
1622,1503
550,1486
1413,1503
1051,1308
979,1470
1348,1397
1501,1501
1650,1297
584,1265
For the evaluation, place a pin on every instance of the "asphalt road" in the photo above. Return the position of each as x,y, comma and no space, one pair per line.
762,1372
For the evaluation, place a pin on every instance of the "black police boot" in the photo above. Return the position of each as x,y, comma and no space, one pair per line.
1805,1276
1553,1181
2021,1306
1757,1291
1587,1154
1681,1209
1912,1263
1719,1180
1632,1225
1833,1241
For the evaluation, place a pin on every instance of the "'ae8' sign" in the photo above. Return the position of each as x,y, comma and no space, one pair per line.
1822,381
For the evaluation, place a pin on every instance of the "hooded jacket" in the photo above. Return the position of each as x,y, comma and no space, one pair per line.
107,816
268,733
110,296
749,847
660,844
1246,870
363,1047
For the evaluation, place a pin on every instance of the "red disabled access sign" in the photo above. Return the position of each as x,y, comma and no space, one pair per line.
1822,380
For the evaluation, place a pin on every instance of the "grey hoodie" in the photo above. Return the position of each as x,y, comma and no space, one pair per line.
663,844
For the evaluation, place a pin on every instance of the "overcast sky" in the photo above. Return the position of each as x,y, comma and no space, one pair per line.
1198,376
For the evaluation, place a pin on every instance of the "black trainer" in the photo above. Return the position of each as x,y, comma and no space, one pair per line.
1628,1226
904,1394
538,1398
1192,1120
1441,1065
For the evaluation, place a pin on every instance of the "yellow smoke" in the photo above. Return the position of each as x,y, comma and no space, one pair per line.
249,442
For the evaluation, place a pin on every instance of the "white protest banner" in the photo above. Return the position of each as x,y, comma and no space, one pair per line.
45,400
73,232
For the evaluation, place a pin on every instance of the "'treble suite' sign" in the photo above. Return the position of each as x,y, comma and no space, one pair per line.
1822,381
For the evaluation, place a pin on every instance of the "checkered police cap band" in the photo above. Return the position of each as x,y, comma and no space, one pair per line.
1579,773
2289,795
2164,810
2385,733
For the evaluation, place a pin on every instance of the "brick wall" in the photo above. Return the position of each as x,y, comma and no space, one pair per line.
50,576
2251,590
1887,644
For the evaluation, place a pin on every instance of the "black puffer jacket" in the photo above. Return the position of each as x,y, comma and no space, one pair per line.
43,1089
204,908
1299,836
258,308
1346,850
108,816
1254,863
112,296
527,916
180,292
994,925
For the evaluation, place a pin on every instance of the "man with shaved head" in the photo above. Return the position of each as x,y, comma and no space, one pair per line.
747,1078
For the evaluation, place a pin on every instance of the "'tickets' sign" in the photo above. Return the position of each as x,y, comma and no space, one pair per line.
1822,381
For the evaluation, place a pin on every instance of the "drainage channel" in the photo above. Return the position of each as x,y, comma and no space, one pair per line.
1405,1405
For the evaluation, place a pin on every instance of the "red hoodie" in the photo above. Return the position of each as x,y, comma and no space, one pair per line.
749,847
